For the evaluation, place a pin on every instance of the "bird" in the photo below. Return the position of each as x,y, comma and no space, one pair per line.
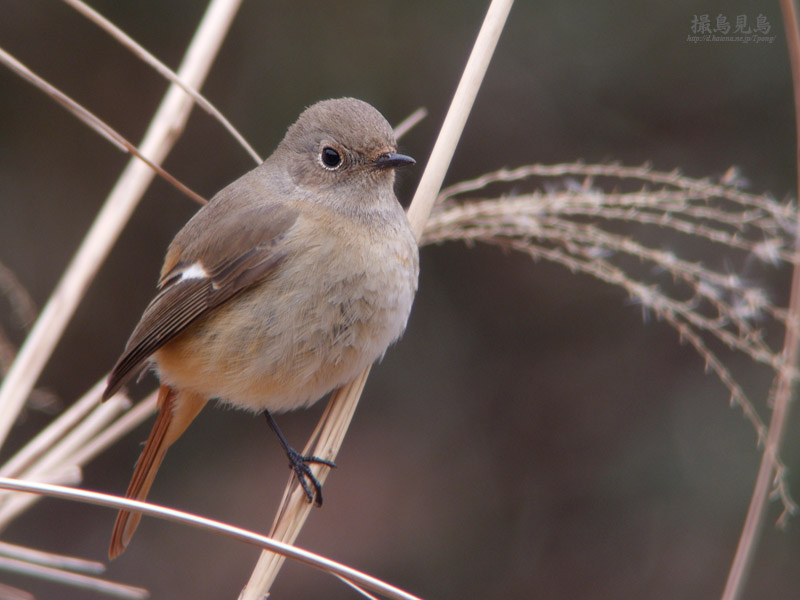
286,285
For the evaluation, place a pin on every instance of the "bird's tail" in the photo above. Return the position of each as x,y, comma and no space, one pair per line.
176,410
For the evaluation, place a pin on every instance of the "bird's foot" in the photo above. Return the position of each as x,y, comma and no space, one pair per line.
299,463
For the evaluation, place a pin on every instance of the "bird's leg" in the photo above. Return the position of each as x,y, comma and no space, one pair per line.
299,464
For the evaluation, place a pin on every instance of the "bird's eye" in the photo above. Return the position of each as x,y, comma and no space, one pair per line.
330,158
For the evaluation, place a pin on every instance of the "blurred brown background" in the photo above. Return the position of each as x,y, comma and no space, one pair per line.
530,436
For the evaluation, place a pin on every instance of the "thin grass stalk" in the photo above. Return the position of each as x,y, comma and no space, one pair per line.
162,134
768,469
460,107
230,531
608,273
117,590
93,121
49,559
644,173
334,423
60,451
410,122
58,458
53,432
126,423
361,591
162,69
294,509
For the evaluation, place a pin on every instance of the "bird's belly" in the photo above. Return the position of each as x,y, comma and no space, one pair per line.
278,348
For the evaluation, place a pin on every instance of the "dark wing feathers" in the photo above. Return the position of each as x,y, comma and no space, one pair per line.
181,301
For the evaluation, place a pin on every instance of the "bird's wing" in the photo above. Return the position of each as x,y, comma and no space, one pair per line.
201,275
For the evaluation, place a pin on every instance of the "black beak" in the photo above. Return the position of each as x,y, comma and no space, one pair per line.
392,160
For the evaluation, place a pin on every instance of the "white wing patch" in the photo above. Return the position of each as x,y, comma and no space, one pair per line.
194,271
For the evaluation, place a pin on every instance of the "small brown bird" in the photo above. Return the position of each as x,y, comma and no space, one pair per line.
286,285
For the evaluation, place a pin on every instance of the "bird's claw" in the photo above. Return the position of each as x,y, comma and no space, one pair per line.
299,463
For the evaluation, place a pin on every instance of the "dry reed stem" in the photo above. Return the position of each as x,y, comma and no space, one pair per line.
770,468
294,509
49,559
330,434
161,136
61,569
230,531
431,182
570,225
410,122
57,460
124,39
46,438
134,417
64,577
647,296
56,455
93,121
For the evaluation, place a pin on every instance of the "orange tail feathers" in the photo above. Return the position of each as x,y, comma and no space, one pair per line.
176,410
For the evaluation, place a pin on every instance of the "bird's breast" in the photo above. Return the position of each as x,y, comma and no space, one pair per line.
341,296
